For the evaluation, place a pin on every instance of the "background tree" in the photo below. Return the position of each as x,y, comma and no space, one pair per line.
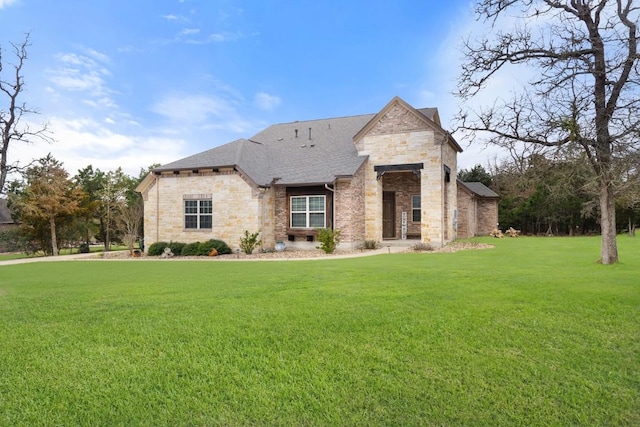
91,181
47,199
584,93
129,221
12,129
476,174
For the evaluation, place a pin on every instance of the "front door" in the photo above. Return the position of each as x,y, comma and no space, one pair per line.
388,214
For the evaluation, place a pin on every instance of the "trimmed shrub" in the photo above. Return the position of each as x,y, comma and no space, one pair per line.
329,239
83,248
176,247
219,245
157,248
191,249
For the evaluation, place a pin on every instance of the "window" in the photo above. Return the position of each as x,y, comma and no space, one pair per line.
416,215
198,214
307,211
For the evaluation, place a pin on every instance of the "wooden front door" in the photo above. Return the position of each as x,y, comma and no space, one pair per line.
388,214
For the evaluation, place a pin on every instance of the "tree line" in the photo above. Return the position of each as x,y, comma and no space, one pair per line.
55,210
543,195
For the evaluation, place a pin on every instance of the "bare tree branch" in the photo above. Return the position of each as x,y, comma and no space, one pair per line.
12,130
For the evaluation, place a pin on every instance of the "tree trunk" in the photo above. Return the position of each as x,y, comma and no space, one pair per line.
54,240
609,249
632,226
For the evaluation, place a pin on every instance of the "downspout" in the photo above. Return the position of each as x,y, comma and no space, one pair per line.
443,223
333,206
157,208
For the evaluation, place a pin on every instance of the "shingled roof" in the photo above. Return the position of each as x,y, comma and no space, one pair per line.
298,153
480,190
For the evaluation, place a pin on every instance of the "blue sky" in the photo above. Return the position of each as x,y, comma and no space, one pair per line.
134,82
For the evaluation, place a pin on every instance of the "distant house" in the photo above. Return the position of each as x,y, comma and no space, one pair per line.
5,215
477,209
6,222
384,176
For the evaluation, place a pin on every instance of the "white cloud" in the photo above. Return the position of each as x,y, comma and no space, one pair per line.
83,141
83,73
5,3
189,31
266,102
201,112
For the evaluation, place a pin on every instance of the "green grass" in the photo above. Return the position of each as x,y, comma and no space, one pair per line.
533,332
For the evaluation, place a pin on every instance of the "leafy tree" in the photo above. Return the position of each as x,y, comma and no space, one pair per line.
584,94
476,174
91,182
12,129
47,199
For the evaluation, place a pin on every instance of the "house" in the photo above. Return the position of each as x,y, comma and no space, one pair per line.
384,176
5,216
6,223
477,209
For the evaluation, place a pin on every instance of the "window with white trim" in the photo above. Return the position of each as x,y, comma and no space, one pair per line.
308,212
416,212
198,214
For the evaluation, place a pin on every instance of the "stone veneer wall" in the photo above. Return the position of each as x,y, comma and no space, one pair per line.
349,210
237,206
280,211
477,216
487,216
450,159
466,215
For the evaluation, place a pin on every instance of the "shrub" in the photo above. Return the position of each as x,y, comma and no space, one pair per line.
422,247
370,244
205,247
329,239
176,247
83,248
191,249
157,248
249,242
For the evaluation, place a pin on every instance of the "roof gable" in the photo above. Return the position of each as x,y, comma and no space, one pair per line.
424,118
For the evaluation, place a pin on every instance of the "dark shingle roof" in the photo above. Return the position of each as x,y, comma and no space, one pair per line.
318,153
480,189
296,153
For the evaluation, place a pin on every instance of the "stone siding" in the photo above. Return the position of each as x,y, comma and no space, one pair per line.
466,214
349,202
237,206
477,216
487,216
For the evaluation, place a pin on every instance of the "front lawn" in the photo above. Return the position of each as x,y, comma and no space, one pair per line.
533,332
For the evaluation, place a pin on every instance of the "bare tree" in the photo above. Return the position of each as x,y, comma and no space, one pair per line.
584,93
11,127
129,221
